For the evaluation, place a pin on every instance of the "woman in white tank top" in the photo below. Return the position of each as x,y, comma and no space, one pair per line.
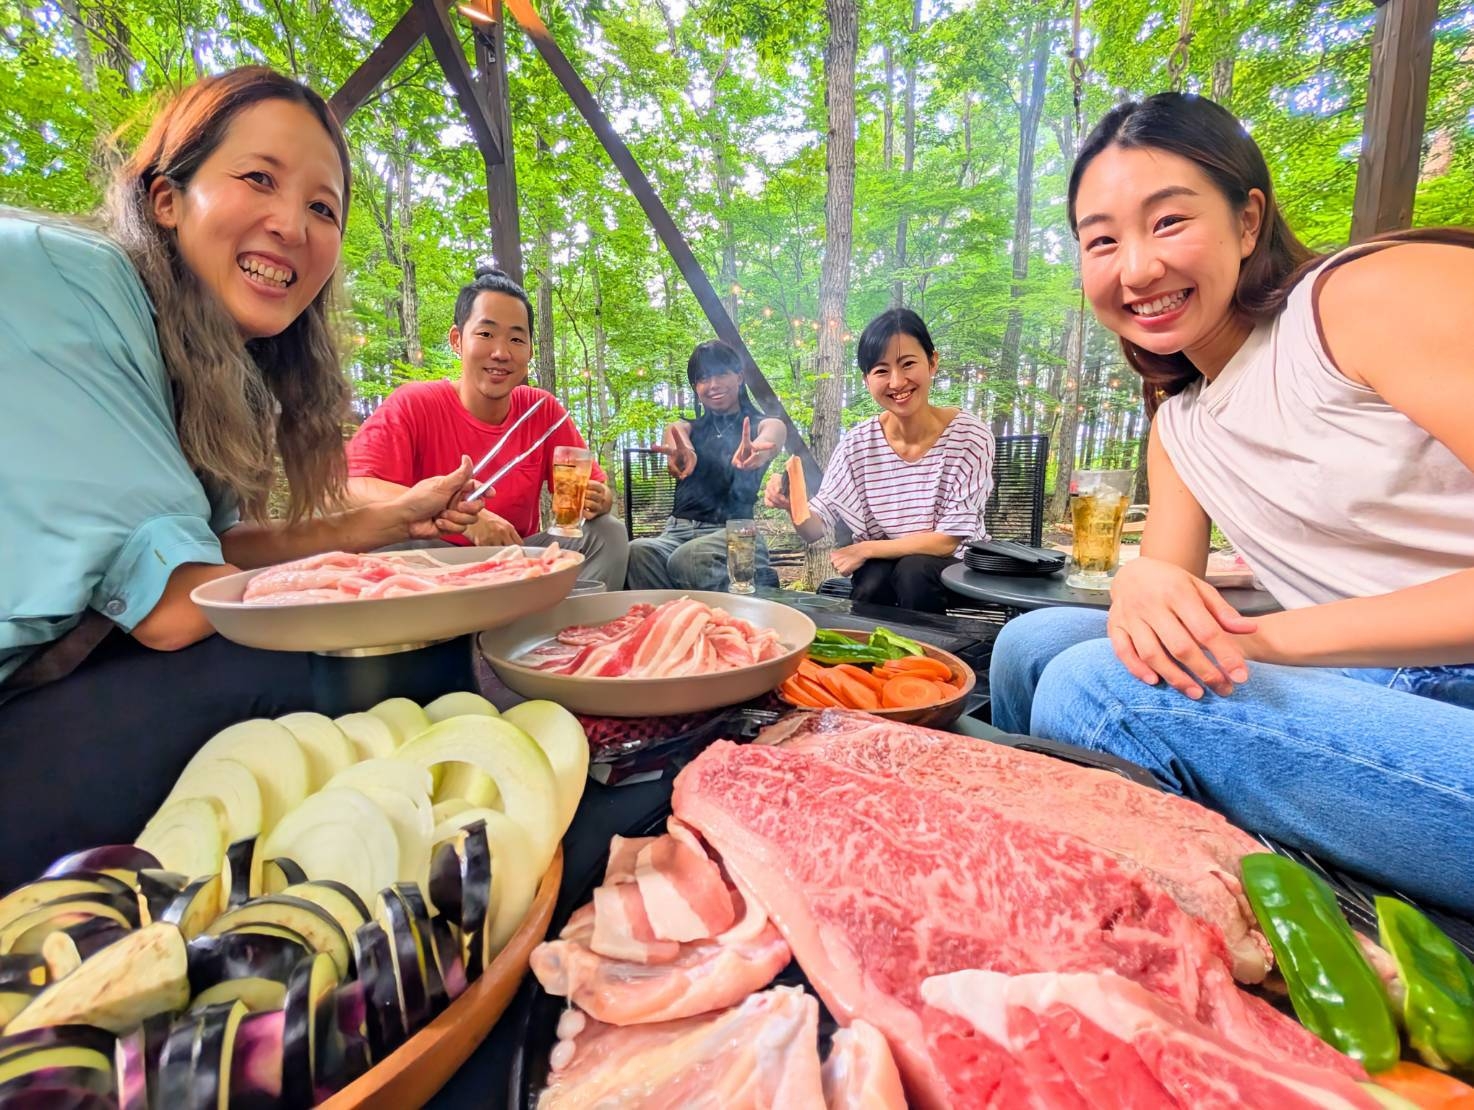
1321,412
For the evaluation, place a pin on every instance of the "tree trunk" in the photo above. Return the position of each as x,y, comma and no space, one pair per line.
1069,416
839,216
1031,108
599,384
409,295
888,143
81,41
1223,80
908,157
547,365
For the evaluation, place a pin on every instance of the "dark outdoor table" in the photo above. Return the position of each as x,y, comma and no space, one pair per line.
609,810
1049,591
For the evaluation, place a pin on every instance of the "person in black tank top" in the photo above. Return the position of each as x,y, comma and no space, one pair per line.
718,460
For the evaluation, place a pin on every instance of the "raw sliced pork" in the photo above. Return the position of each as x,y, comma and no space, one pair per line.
1086,1041
761,1055
1189,851
877,883
339,576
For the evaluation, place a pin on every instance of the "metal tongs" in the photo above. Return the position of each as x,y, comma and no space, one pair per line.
504,471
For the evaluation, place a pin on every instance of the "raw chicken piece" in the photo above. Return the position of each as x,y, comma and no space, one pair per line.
761,1055
860,1072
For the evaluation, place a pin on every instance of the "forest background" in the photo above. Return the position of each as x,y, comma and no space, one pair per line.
950,126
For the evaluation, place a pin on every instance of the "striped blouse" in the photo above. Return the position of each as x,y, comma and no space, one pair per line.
881,496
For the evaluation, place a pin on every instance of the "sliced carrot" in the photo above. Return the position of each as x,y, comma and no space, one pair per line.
862,676
910,692
1423,1086
798,696
818,691
856,695
809,669
949,690
923,665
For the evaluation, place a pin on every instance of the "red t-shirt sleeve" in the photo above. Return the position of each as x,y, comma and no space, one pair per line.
384,445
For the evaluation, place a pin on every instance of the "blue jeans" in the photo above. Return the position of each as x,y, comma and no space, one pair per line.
688,555
1372,770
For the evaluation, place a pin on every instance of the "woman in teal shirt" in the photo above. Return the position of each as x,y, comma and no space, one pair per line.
151,377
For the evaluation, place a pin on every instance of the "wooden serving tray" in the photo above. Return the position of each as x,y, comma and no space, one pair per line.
420,1067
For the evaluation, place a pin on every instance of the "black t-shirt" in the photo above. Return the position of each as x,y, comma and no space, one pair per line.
716,491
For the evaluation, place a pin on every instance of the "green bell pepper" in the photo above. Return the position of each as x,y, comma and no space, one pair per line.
1335,992
895,643
1439,979
850,651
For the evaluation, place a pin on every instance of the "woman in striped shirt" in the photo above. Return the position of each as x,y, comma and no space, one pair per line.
909,484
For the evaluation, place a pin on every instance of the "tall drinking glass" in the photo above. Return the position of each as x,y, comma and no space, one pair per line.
572,468
1098,505
741,556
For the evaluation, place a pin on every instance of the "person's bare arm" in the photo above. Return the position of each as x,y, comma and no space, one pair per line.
175,621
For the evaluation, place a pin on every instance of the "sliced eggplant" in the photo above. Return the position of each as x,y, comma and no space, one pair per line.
137,1059
83,884
209,1087
145,973
460,888
26,933
220,959
278,874
23,972
13,1000
158,889
448,958
385,1018
256,1062
72,1036
242,873
176,1062
59,1065
122,861
309,1026
410,958
419,919
353,1031
338,899
197,906
65,949
257,995
309,919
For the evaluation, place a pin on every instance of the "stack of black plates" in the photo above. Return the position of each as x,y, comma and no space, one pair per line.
1007,557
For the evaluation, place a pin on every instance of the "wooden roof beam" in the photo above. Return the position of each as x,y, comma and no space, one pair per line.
383,61
452,58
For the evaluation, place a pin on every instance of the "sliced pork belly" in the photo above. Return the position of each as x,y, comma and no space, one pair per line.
761,1055
1099,1040
860,1073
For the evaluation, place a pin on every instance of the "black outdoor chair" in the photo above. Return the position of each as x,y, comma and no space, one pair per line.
649,495
1015,511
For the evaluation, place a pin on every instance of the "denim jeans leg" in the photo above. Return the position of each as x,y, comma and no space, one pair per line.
1374,779
1024,648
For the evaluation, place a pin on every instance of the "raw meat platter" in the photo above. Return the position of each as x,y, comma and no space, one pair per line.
340,602
650,653
581,1050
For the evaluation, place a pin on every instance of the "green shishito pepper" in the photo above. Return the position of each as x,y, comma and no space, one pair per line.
834,647
1335,992
1439,979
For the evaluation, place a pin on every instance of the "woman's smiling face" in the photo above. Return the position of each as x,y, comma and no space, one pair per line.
900,380
1161,248
260,222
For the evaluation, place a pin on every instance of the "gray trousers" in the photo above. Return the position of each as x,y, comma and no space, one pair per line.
688,555
605,547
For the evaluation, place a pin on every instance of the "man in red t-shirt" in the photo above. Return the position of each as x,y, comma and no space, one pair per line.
421,424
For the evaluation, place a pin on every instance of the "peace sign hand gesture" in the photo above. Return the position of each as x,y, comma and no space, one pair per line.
680,456
753,454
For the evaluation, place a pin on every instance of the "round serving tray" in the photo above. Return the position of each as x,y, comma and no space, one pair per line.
645,697
412,1074
939,715
416,618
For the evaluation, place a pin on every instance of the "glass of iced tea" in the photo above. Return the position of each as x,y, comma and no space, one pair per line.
1098,503
741,556
572,468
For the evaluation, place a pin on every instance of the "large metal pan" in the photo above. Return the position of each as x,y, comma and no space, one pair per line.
415,619
645,697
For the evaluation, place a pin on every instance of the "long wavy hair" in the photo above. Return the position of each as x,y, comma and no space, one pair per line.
1209,136
237,404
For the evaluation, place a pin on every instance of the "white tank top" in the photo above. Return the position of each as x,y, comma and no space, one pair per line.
1325,489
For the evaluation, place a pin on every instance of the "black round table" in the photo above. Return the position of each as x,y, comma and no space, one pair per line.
1049,591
